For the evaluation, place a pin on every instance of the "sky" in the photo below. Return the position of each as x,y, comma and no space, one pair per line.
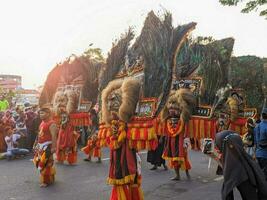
37,34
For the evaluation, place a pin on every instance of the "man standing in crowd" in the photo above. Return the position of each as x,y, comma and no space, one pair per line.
35,127
46,147
30,116
261,142
4,105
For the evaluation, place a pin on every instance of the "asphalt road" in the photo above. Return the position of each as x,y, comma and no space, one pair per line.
19,180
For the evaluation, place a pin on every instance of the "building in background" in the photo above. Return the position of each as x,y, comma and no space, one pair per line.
10,82
11,88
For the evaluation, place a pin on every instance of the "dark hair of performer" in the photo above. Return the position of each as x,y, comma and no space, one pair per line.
239,170
45,113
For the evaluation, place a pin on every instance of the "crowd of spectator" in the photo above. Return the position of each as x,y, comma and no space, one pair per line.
18,129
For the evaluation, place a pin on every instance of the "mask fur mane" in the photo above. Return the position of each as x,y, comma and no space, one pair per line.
186,102
130,89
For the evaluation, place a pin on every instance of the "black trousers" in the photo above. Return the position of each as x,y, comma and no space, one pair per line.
263,165
155,157
247,191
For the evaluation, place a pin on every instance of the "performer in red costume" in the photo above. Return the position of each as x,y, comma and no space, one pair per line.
92,149
176,114
119,101
45,147
67,140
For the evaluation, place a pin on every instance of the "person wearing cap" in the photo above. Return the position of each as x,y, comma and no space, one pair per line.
260,133
45,147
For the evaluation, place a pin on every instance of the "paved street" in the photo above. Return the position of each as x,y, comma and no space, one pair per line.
19,181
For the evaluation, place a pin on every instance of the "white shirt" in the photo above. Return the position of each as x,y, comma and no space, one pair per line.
10,140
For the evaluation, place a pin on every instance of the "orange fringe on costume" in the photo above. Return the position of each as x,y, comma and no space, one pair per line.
176,134
92,148
239,125
45,165
47,176
68,154
181,163
127,192
141,135
77,119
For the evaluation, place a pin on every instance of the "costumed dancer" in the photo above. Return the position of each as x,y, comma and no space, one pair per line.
66,141
176,114
92,149
45,147
119,100
232,102
65,103
234,106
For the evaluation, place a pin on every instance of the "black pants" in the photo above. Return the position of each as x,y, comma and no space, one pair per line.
247,191
155,157
263,165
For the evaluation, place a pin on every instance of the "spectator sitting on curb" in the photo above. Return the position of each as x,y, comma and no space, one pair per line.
12,141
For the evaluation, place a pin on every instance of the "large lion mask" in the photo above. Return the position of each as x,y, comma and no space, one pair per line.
180,105
119,99
65,101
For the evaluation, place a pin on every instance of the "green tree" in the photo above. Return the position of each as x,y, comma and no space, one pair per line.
250,5
94,54
247,72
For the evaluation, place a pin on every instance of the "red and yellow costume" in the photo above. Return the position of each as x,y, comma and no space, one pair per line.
43,158
92,149
174,147
67,144
123,171
124,135
239,125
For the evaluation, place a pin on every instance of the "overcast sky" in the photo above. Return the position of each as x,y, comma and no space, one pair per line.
35,34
